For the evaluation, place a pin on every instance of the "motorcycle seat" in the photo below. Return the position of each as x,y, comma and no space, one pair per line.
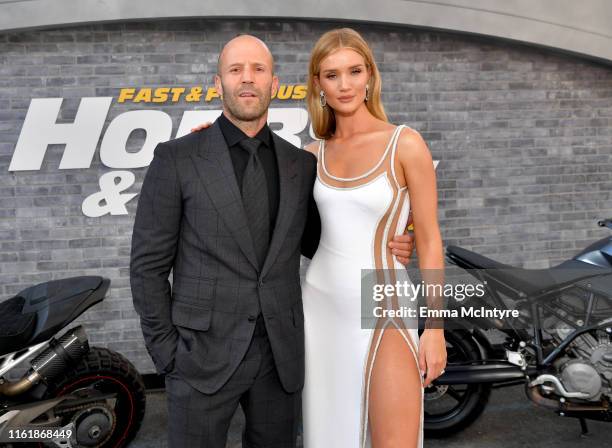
36,313
16,326
527,281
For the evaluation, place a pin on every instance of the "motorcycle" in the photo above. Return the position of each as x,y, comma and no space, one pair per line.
72,395
559,347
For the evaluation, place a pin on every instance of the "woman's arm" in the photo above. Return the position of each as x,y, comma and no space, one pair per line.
420,177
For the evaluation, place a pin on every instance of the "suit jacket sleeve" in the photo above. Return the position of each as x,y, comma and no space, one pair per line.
154,245
312,231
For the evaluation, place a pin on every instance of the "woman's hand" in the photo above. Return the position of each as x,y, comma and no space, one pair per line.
202,126
432,354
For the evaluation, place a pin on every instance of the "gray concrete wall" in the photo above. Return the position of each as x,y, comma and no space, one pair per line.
580,27
523,136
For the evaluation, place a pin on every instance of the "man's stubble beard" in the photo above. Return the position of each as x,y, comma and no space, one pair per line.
232,104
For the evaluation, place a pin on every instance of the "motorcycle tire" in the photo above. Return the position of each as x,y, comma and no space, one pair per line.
104,371
471,399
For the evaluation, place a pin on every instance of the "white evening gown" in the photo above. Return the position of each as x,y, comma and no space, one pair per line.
358,217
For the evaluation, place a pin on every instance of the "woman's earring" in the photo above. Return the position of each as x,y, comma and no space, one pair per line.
322,99
367,93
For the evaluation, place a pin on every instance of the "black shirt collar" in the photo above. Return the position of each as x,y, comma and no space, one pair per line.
233,134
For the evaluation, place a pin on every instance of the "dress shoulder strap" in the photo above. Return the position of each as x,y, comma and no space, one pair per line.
394,152
319,151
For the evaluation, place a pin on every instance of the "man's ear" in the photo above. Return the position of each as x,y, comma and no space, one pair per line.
274,85
218,85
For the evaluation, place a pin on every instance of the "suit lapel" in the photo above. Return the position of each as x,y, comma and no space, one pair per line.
289,191
216,171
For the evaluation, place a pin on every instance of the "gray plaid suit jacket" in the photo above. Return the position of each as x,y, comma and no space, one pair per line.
190,219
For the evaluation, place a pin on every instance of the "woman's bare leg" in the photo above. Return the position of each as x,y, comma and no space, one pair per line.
395,395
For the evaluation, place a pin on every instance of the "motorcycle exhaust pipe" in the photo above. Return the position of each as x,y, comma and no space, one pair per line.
480,373
60,353
534,395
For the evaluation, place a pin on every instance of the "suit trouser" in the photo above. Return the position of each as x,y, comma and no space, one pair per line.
271,415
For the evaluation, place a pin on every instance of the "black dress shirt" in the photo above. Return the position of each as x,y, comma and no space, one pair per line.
240,157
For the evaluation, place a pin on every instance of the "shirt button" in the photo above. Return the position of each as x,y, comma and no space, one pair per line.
252,318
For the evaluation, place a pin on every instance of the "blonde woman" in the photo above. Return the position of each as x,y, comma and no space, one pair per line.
363,387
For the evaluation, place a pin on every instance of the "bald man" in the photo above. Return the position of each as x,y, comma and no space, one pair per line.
229,209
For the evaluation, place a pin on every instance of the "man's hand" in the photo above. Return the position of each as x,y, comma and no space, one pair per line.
402,246
201,126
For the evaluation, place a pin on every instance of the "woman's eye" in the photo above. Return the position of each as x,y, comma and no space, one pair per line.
331,76
356,71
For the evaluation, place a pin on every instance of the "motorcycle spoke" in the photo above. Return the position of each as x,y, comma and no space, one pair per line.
451,391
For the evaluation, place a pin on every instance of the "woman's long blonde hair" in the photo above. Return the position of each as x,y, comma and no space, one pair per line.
322,118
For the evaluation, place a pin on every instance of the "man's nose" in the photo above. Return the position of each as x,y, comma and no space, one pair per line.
247,75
